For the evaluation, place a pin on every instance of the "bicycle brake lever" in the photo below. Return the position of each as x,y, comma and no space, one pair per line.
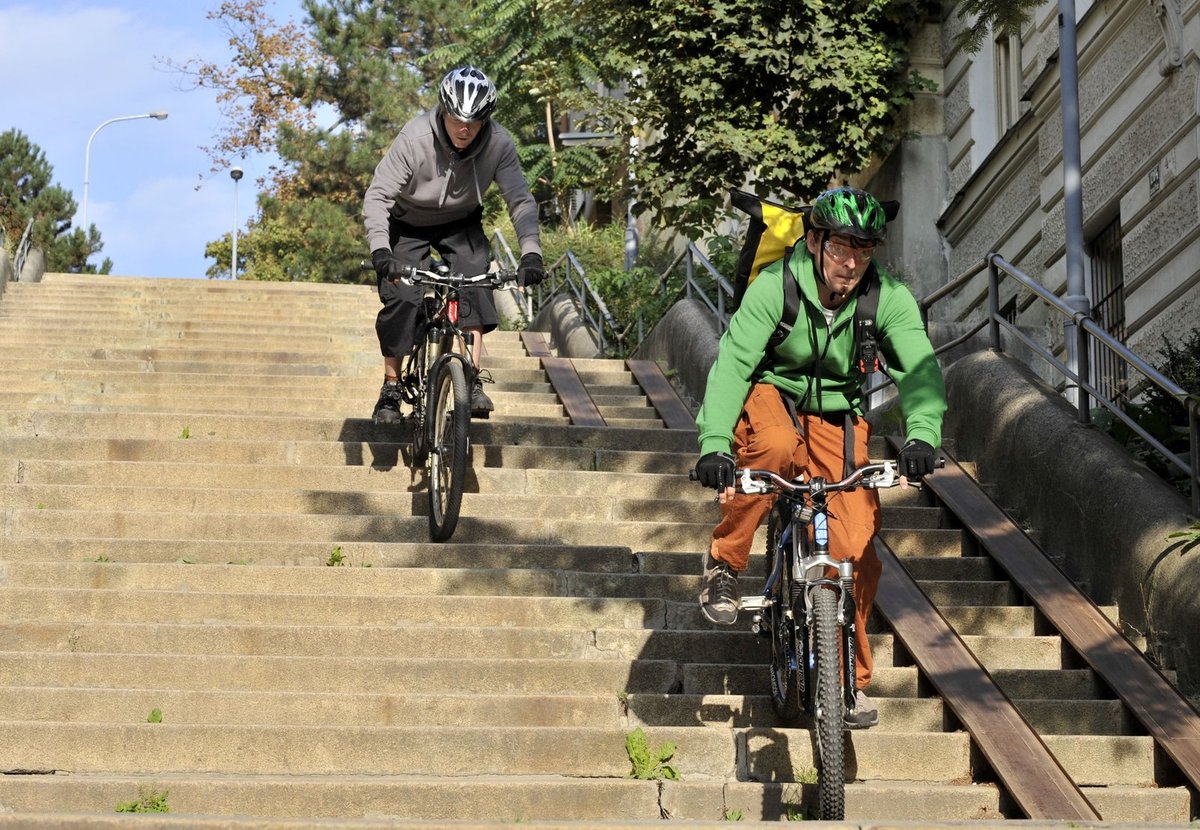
751,486
886,477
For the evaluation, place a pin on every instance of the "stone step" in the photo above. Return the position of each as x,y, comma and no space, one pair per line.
163,748
331,528
407,638
321,708
179,607
515,409
438,802
401,675
239,427
381,455
350,554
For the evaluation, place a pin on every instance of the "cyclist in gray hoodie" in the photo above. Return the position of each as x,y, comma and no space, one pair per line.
426,195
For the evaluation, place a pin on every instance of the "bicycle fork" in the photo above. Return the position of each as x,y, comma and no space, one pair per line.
847,610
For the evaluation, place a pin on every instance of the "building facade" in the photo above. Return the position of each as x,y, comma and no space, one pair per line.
987,156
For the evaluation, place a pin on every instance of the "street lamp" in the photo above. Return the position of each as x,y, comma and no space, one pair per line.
87,156
235,174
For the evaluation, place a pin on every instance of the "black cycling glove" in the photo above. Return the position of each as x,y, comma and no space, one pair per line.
381,261
916,459
716,470
531,271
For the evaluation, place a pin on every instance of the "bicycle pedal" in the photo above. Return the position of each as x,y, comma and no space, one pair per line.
754,603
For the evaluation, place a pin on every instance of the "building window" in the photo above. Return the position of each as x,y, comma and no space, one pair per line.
1008,82
1107,297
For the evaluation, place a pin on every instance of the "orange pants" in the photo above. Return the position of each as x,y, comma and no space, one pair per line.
765,438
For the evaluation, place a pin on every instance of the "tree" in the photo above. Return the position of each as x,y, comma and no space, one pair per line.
26,193
785,95
357,64
254,91
552,76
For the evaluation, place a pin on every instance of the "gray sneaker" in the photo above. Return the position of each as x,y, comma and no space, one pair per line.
719,595
864,715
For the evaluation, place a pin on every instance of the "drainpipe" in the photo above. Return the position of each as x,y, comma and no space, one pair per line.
1076,299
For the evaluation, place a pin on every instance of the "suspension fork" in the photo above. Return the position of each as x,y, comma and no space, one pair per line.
847,608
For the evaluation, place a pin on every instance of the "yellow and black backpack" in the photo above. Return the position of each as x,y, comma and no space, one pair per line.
773,231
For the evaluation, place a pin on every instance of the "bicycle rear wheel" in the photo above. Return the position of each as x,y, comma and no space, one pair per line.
829,715
785,676
449,421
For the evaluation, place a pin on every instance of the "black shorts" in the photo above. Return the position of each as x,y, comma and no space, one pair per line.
463,246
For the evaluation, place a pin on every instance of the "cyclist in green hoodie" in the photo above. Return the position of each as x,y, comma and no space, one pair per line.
796,406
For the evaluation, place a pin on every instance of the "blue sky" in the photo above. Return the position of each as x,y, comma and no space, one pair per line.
67,67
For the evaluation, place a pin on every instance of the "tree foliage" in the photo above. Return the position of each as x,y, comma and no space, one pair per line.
782,97
986,16
553,76
27,192
254,91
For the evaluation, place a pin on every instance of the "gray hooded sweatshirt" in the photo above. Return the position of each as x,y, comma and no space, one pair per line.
423,181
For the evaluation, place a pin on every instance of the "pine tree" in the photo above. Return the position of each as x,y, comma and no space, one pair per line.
27,192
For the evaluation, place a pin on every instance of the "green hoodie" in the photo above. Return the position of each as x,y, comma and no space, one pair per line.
790,366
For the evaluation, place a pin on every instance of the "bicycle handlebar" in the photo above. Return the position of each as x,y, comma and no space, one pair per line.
412,275
870,476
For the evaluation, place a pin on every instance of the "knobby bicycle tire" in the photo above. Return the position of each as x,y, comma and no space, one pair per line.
449,422
829,715
785,687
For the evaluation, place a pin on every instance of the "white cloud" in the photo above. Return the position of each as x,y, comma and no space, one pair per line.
69,67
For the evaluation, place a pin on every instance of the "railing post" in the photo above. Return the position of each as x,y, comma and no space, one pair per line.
1083,364
994,300
689,269
1193,408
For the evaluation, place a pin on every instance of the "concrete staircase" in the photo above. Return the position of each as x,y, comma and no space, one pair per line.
216,584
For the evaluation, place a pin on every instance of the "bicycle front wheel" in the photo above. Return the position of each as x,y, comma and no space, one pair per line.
448,424
829,715
785,676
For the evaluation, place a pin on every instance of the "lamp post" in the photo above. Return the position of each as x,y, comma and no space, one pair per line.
87,155
235,174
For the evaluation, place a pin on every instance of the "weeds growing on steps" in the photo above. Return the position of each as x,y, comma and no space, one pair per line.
155,716
148,801
649,764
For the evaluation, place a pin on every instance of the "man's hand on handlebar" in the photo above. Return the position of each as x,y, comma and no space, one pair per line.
381,261
916,460
717,471
531,271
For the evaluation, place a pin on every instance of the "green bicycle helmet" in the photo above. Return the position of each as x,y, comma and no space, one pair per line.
849,211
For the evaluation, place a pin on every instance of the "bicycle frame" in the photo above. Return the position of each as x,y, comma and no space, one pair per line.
435,380
809,561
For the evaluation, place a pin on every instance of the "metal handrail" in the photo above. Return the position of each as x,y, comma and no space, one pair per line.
503,254
23,250
1086,327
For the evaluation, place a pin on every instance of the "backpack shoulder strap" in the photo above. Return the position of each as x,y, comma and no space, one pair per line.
791,304
866,345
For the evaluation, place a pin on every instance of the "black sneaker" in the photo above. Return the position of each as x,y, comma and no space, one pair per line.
864,715
481,404
387,408
719,594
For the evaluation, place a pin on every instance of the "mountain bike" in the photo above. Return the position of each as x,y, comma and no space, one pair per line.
807,614
435,380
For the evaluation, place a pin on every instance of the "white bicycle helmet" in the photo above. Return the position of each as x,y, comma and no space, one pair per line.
467,94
